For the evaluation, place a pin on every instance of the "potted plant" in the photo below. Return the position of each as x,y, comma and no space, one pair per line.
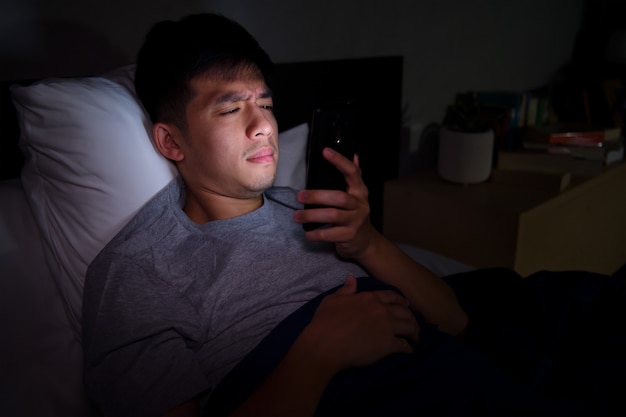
466,142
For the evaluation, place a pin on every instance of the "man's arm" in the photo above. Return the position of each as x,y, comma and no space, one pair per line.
429,294
357,239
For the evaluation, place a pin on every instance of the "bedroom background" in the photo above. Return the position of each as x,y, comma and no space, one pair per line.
448,46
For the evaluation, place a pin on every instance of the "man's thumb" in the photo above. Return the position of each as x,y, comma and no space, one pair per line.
349,286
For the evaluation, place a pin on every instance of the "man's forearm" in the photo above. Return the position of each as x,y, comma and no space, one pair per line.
428,293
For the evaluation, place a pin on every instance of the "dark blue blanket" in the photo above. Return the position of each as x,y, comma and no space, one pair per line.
550,344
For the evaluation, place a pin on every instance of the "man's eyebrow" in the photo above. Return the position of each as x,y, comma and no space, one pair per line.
230,98
266,94
236,96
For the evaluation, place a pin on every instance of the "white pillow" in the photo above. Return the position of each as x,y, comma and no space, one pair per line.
291,170
91,165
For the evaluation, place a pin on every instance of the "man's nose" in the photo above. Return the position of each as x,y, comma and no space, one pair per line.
260,123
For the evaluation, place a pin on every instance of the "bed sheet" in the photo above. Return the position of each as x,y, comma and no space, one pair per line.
40,357
439,264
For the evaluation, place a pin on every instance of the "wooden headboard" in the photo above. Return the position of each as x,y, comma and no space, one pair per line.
374,84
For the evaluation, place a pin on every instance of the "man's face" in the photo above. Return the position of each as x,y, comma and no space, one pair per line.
231,144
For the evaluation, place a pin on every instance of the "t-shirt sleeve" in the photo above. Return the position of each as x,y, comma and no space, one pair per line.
140,337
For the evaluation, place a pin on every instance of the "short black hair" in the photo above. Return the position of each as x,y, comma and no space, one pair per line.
174,53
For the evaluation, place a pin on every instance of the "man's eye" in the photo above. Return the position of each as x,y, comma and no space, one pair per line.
231,111
267,107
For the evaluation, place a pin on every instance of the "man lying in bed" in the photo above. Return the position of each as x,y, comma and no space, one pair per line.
216,268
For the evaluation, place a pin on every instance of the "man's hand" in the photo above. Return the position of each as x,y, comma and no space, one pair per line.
352,329
348,330
348,212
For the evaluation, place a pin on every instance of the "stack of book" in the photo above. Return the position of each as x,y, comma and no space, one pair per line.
575,150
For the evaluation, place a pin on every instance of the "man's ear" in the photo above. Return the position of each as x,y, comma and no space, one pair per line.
166,138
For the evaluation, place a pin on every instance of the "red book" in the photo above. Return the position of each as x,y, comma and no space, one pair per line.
572,136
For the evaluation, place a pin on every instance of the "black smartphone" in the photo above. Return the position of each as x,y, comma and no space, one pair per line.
333,126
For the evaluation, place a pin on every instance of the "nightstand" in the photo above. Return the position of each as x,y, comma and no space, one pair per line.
497,225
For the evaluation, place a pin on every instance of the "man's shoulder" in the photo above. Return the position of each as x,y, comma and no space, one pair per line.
148,226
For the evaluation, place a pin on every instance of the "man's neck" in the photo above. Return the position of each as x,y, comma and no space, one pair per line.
218,207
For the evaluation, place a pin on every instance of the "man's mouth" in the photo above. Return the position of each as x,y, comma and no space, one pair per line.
262,156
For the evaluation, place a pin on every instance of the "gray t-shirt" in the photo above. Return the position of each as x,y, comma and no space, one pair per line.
170,306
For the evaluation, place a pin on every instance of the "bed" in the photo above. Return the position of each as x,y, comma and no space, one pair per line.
77,162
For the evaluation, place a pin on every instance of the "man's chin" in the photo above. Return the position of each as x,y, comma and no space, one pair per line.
260,186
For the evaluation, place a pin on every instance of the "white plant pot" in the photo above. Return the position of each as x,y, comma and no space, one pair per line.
465,158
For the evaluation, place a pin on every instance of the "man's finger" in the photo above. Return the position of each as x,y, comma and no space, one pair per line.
392,297
349,286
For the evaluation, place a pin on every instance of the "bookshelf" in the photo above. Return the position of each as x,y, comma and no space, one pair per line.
504,225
